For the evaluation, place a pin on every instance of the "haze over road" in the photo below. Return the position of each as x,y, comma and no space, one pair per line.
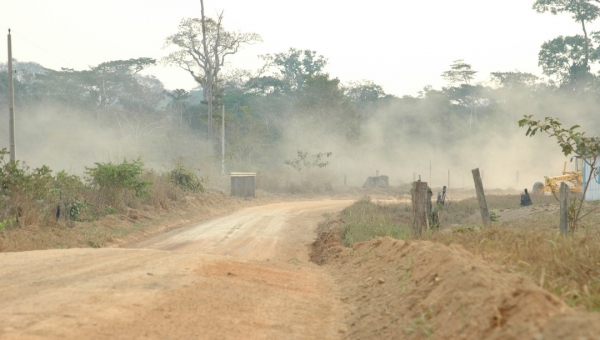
245,275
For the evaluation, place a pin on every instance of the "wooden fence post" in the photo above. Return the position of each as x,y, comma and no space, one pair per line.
485,214
420,204
564,208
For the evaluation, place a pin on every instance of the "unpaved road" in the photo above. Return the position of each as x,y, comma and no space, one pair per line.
246,275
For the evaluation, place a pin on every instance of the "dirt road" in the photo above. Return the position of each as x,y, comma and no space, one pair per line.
246,275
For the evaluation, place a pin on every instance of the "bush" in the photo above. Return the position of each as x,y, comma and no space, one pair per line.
27,193
116,182
162,191
186,179
16,178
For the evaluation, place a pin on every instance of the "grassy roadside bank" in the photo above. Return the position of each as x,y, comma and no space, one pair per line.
521,240
125,227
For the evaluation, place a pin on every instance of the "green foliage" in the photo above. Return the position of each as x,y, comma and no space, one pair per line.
324,104
569,58
514,80
581,10
494,217
75,210
364,92
296,65
116,181
566,58
7,222
131,66
571,141
187,180
18,179
247,136
460,72
305,162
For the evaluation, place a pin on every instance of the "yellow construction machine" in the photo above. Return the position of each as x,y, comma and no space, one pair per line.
574,179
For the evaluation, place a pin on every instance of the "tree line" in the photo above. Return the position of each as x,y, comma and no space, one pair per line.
291,102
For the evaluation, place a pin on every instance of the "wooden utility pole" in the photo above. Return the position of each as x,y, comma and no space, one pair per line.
485,214
223,142
420,208
11,102
564,208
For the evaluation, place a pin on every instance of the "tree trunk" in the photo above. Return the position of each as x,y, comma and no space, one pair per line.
586,47
209,77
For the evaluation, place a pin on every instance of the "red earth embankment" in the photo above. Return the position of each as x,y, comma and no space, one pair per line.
420,289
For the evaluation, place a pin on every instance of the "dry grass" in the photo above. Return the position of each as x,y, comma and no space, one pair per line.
365,220
567,267
113,229
461,212
528,242
162,192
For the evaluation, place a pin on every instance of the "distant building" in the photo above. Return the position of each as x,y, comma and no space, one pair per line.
593,191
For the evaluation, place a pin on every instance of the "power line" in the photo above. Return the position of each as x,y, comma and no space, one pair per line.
41,48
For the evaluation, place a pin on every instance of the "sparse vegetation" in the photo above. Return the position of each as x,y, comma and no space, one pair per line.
309,180
365,220
187,180
65,208
572,142
531,244
118,182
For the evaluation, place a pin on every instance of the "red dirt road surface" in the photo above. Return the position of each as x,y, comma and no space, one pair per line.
242,276
248,276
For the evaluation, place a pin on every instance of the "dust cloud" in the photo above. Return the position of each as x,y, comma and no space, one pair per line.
441,148
445,153
67,139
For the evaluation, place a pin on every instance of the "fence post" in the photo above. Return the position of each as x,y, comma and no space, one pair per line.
485,214
564,208
419,201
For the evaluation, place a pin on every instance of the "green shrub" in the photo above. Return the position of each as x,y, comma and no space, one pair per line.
27,193
117,182
187,180
18,179
75,210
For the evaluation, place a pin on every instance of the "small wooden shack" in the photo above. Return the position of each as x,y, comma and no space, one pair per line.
242,184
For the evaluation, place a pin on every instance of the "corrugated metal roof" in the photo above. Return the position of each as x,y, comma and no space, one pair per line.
243,174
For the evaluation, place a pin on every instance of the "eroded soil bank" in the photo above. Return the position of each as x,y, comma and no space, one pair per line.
419,289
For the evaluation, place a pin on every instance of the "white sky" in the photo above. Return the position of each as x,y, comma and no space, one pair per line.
399,44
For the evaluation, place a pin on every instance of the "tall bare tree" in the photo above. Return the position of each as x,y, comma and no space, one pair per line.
202,47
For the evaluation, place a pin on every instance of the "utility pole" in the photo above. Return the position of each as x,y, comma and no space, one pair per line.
223,141
208,71
11,102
